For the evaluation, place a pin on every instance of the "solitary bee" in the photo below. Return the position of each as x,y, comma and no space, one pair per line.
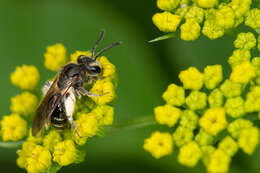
58,104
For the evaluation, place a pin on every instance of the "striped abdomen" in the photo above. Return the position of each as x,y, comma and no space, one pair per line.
58,118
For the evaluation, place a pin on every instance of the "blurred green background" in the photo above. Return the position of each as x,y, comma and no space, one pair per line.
145,70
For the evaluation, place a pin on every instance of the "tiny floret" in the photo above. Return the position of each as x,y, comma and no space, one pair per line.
104,114
212,76
206,3
159,144
24,103
189,119
231,89
196,100
65,152
191,78
235,107
239,56
225,17
25,77
212,30
182,136
55,57
203,138
166,21
216,98
108,69
245,41
235,127
248,139
228,145
51,140
253,18
167,114
174,95
190,154
195,13
219,162
252,102
13,127
190,30
167,5
213,120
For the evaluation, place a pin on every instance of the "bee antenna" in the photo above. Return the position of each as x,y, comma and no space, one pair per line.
97,43
107,48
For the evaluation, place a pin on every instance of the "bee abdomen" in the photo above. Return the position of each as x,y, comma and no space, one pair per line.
58,118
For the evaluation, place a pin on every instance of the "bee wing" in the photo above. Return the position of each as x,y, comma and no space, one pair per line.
51,100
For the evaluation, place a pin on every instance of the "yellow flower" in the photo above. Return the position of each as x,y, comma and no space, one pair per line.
190,30
245,41
159,144
191,78
253,18
39,160
55,57
51,140
196,100
24,153
212,76
167,5
167,114
235,107
166,21
228,145
212,30
225,17
235,127
182,136
189,119
258,43
108,69
65,152
174,95
231,89
13,127
25,77
213,120
203,138
104,114
252,102
219,162
206,3
239,56
249,139
207,151
240,7
75,55
25,103
256,63
105,90
216,98
189,154
195,13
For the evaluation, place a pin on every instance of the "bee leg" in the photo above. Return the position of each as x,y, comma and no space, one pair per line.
77,94
87,93
93,78
46,87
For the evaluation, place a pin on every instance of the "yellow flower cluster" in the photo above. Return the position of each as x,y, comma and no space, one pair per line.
206,113
209,17
54,149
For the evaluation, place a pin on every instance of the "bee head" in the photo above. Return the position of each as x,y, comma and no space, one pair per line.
90,65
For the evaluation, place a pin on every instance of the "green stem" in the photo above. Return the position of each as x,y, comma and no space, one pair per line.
11,144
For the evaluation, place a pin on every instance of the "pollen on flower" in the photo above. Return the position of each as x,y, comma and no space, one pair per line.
104,114
203,138
212,76
248,139
190,154
24,103
55,57
191,78
74,56
167,5
105,90
245,41
39,160
195,13
231,89
228,145
190,30
235,127
225,17
253,18
108,69
182,136
174,95
252,102
189,119
24,153
219,161
159,144
65,152
196,100
239,56
51,140
216,98
206,3
25,77
213,120
13,127
167,114
166,21
235,107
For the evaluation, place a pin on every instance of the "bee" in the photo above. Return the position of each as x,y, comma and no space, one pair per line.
57,107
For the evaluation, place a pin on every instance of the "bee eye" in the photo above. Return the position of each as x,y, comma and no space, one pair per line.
95,69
